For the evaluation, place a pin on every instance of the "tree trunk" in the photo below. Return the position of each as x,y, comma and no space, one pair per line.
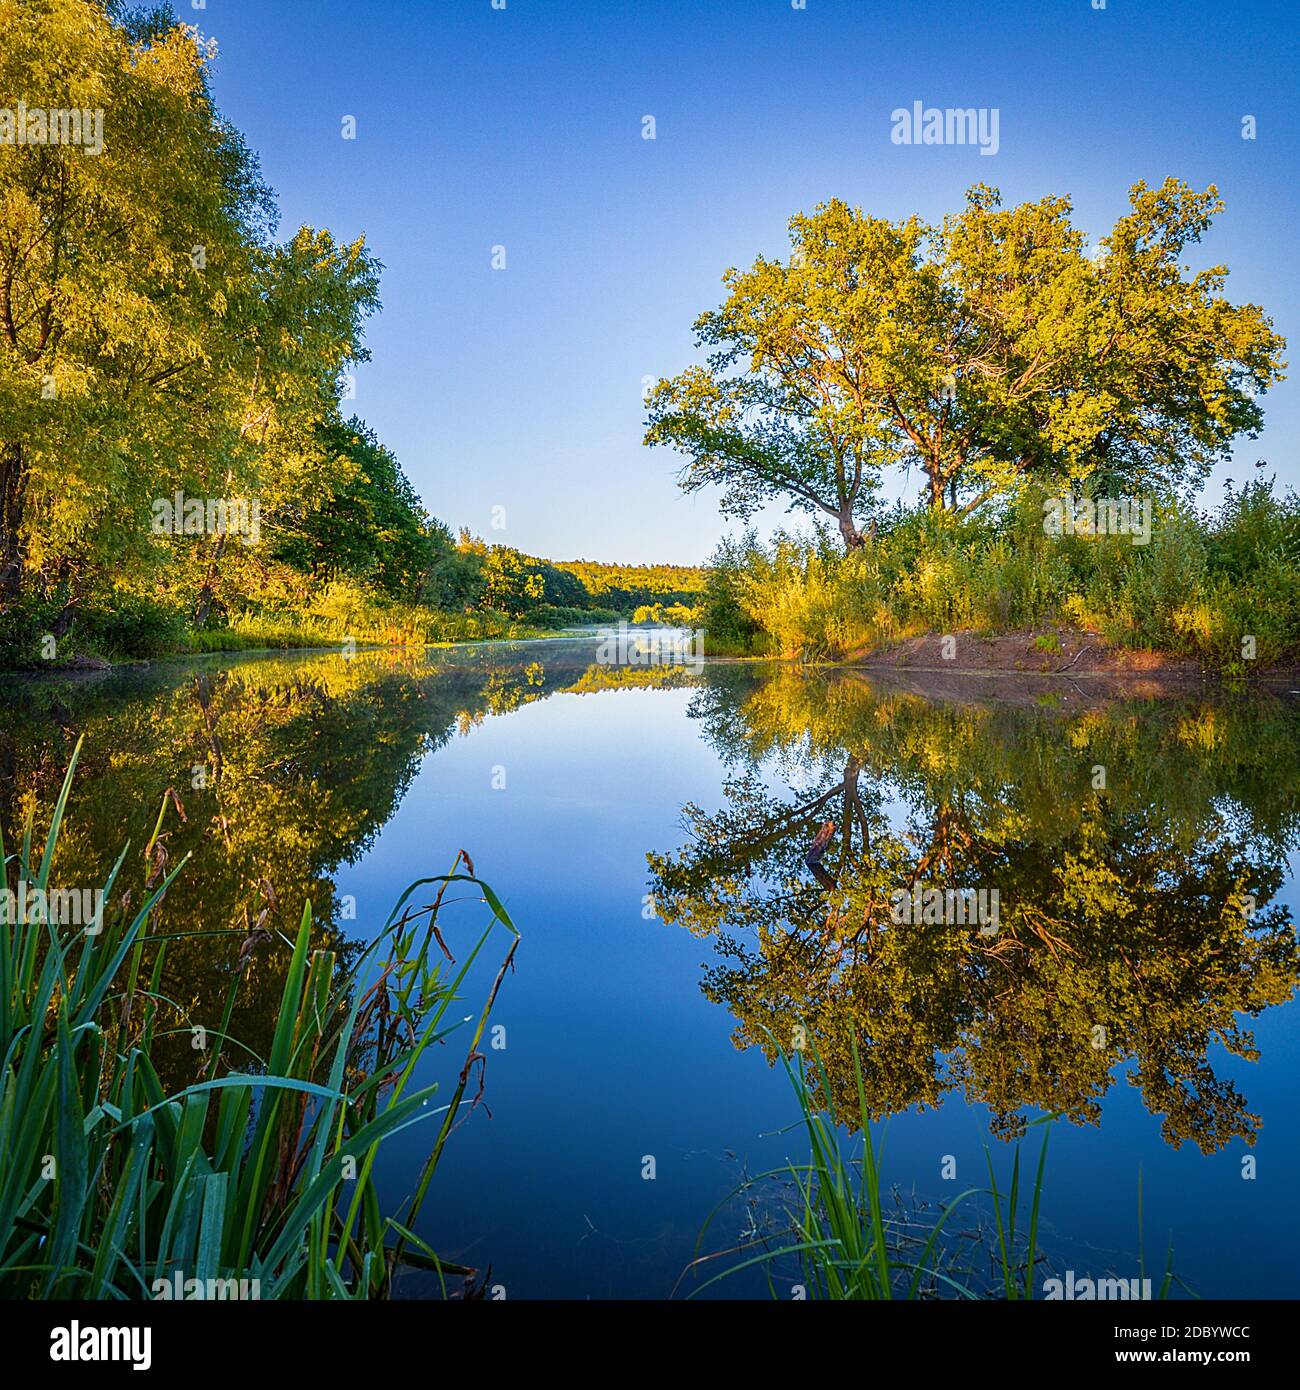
937,500
852,536
13,490
67,615
204,605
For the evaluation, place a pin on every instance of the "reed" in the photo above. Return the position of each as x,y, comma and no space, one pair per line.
837,1240
110,1187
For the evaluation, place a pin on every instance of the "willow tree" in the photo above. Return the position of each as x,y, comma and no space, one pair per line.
987,350
299,327
153,336
105,305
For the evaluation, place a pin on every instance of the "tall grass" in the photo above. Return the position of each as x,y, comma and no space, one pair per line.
108,1184
1201,583
842,1243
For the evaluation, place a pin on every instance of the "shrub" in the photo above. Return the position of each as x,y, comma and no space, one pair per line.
116,626
1197,588
728,624
554,616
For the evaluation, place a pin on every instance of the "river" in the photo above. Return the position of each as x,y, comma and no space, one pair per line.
647,828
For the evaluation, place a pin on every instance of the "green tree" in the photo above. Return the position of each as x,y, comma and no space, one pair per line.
153,336
370,525
297,331
455,580
984,351
105,308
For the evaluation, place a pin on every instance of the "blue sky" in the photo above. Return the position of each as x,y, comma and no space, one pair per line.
521,388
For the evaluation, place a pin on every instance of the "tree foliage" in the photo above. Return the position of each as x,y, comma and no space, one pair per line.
984,351
154,337
370,525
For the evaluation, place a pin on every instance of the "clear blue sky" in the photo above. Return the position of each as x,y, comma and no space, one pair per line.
522,127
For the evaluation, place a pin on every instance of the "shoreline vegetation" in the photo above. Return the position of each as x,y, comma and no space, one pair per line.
202,487
1211,594
833,1230
116,1183
344,615
1062,403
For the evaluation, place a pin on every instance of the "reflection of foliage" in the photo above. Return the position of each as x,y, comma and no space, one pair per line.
299,764
1122,932
665,677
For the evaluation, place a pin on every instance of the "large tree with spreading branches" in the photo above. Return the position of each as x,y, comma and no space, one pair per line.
994,348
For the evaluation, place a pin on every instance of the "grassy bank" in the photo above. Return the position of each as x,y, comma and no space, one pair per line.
1220,588
125,627
261,1169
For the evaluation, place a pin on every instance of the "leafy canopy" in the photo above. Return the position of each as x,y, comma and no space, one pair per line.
985,351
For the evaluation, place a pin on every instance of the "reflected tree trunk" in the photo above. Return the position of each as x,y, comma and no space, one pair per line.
13,491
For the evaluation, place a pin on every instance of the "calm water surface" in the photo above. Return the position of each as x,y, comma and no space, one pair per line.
647,830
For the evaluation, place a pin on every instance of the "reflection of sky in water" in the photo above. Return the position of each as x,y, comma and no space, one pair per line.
613,1053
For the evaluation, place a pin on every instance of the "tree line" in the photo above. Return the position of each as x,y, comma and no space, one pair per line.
163,349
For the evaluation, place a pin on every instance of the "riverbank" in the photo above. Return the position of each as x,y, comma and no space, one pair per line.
232,642
1213,590
1052,651
1042,654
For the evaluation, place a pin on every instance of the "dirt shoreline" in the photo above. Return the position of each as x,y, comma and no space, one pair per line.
1045,653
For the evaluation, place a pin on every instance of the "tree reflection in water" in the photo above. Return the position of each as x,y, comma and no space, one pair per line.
1137,846
275,772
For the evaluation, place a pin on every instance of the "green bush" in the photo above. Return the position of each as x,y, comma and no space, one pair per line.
728,624
119,626
23,623
552,616
1197,588
134,626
